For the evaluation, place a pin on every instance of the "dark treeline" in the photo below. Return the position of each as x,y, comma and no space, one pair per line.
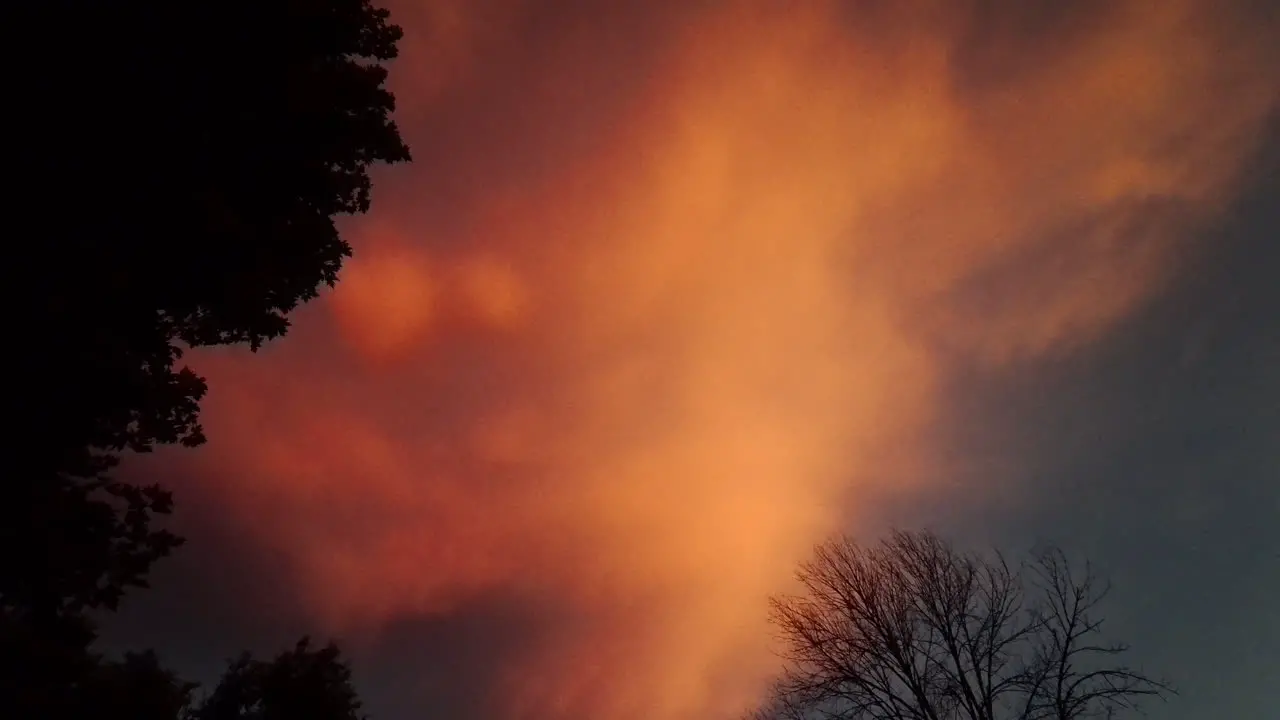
184,162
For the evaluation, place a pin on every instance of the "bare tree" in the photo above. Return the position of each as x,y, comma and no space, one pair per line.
913,629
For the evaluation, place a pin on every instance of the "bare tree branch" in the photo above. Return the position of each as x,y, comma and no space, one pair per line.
912,629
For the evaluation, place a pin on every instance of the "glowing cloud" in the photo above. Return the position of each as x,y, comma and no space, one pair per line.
389,299
671,343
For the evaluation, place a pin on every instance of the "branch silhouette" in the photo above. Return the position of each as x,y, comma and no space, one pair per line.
913,629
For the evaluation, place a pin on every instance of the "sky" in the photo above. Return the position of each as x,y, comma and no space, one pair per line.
675,290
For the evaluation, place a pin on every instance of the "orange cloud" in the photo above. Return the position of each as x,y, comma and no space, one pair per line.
388,300
639,388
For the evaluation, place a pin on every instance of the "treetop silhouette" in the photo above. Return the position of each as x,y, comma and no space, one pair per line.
187,162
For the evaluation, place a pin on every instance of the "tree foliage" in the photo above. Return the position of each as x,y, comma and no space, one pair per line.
305,683
182,166
42,665
136,687
70,545
912,629
204,196
187,162
51,671
69,681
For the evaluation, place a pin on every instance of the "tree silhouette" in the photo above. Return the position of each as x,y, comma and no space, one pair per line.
914,629
304,683
51,672
135,687
187,161
73,544
41,666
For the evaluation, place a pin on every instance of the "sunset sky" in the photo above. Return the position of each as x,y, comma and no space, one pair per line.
675,290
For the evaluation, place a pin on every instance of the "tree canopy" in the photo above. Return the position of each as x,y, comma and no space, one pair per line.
303,683
199,198
184,164
187,162
306,683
